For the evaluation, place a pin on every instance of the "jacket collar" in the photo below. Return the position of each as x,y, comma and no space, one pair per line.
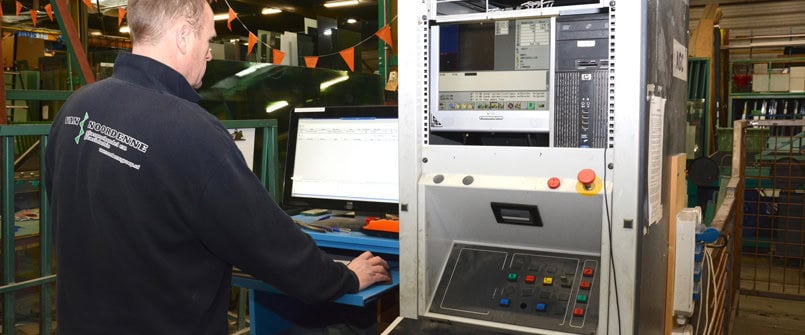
147,72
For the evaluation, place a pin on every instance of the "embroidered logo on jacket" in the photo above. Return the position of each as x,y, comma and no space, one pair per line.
81,128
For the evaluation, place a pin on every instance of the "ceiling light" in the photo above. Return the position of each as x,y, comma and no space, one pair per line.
275,106
323,86
327,32
251,69
341,3
124,29
267,11
351,21
220,17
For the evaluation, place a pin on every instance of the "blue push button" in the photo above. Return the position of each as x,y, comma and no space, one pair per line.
541,307
504,302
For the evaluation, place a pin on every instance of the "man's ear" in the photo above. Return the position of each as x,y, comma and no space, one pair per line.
183,37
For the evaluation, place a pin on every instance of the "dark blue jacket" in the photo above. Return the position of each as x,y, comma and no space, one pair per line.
152,206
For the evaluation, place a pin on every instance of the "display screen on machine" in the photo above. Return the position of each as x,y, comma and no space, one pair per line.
494,76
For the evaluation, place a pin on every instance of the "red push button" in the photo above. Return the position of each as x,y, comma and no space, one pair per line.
586,176
588,272
554,183
585,285
530,279
578,311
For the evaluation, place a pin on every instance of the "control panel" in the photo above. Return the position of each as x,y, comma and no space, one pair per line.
521,287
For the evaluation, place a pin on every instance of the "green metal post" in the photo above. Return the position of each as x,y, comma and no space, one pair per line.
264,166
72,40
9,308
383,13
381,46
46,269
271,160
243,297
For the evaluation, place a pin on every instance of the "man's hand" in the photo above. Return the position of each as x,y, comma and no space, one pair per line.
369,269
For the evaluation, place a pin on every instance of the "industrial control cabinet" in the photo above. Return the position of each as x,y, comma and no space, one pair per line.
535,139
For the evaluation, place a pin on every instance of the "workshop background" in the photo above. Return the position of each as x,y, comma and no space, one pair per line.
746,61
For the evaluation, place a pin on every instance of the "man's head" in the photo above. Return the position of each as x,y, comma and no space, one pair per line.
174,32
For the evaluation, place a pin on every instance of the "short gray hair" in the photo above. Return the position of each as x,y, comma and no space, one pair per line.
149,18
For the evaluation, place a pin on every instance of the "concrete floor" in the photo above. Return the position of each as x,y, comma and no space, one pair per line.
756,316
759,315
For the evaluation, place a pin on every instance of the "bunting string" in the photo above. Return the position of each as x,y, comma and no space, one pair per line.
311,61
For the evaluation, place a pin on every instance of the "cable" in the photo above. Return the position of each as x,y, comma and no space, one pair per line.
103,25
699,316
712,279
706,294
611,251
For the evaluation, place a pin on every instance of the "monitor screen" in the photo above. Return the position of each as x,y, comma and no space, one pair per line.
494,76
343,158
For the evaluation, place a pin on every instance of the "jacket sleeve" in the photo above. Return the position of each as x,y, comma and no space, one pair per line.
240,223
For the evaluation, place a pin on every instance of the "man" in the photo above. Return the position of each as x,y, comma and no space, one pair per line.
153,203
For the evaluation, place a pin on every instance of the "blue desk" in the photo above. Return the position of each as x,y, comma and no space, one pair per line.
356,241
269,308
359,299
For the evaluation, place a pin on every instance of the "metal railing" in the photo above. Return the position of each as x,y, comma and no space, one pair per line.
266,168
773,241
724,256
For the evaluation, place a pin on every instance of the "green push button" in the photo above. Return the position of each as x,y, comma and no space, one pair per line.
582,298
512,276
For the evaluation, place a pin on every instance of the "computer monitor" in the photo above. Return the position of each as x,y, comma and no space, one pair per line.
343,158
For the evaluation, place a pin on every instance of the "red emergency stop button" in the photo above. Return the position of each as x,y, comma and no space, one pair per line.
554,183
578,312
587,272
586,176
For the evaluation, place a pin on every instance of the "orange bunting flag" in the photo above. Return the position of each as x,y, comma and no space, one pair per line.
121,13
311,61
88,3
49,10
19,8
252,42
277,56
232,16
385,35
349,57
33,16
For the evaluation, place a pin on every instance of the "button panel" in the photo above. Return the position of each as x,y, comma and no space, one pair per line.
527,288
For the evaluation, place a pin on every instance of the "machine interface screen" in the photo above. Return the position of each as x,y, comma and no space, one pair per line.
494,76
